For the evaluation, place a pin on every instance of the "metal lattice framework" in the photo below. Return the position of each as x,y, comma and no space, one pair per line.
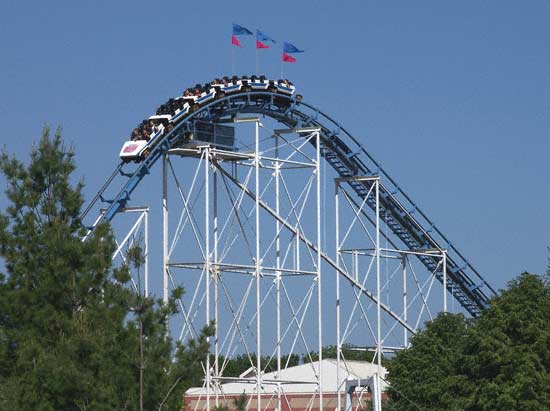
249,235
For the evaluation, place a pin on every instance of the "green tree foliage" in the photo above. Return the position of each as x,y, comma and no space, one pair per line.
69,327
240,402
499,362
430,372
509,354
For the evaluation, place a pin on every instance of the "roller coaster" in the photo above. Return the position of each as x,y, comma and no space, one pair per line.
258,218
226,98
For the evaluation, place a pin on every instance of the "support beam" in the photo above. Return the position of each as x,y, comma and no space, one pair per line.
319,271
376,392
258,267
312,246
207,271
165,261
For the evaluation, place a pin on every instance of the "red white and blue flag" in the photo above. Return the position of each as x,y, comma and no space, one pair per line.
239,31
262,39
289,49
287,58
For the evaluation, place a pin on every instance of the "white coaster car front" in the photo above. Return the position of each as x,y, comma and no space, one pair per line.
131,150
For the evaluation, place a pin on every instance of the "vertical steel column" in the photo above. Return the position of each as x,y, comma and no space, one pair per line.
405,332
216,273
258,256
165,228
207,262
355,265
378,309
445,281
146,250
319,277
338,337
278,266
297,248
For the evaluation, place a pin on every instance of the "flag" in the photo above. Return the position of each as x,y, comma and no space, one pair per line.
240,30
288,58
291,48
235,41
260,45
261,39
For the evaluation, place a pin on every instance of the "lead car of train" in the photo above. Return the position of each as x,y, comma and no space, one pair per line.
150,131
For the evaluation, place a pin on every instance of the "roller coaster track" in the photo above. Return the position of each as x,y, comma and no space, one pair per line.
347,157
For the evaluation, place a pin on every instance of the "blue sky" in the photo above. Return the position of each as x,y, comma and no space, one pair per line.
451,97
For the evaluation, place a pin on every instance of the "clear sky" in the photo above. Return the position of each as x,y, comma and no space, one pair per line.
451,97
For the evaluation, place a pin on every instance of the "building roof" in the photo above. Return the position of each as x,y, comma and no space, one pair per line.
299,379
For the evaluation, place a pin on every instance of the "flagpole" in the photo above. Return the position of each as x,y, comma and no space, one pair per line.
232,60
257,63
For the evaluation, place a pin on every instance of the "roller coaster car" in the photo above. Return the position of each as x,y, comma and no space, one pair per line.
161,118
206,96
190,99
132,150
285,88
257,84
138,149
218,87
180,113
233,86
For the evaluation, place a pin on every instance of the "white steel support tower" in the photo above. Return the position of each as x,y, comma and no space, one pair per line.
242,232
243,237
375,310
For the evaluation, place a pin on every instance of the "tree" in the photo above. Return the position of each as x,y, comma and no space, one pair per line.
500,361
429,373
240,402
508,354
69,327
